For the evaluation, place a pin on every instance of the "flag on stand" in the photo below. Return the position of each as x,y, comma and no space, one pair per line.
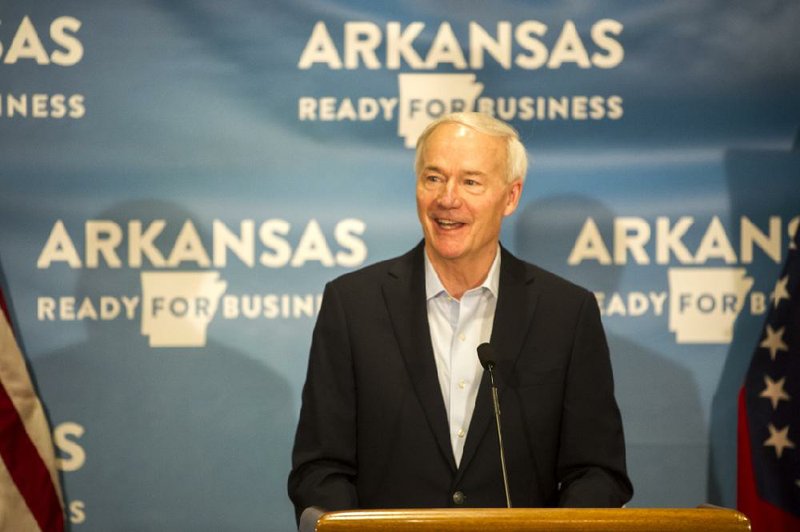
30,497
768,490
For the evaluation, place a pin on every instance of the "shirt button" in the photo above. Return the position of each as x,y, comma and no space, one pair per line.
462,337
462,383
459,497
461,433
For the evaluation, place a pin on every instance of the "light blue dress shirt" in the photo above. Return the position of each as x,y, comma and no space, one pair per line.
457,328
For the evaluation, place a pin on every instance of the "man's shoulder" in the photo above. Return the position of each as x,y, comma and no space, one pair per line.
378,272
513,270
543,280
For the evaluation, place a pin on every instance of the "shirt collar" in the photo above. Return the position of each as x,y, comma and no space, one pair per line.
434,286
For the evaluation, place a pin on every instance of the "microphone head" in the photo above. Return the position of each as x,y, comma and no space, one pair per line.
486,355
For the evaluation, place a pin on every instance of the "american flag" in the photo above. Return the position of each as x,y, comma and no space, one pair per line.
30,497
769,411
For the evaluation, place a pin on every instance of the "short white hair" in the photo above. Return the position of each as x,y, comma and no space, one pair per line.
517,157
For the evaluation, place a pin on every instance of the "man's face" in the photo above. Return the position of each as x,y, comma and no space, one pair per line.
463,194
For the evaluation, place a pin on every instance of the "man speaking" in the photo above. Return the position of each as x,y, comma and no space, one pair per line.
397,411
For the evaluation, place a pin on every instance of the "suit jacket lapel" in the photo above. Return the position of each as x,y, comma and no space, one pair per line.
404,292
512,318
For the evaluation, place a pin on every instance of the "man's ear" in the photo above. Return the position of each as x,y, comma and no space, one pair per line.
514,194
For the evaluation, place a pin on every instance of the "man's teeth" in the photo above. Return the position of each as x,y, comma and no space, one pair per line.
448,223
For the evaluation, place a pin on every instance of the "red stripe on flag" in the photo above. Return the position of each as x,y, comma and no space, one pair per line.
27,469
764,517
25,465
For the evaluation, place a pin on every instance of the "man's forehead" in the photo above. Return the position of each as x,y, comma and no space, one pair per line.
462,131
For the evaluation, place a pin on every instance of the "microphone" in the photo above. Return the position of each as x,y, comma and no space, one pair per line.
487,358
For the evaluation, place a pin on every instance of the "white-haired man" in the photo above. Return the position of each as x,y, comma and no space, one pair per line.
396,408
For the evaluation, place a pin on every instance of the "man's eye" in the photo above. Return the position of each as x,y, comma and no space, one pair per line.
433,178
471,182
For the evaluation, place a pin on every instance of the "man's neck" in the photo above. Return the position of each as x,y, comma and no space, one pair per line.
460,275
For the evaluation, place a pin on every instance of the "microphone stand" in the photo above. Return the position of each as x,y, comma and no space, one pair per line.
485,353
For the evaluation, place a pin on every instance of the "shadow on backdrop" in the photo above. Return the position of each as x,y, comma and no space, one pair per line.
658,398
187,438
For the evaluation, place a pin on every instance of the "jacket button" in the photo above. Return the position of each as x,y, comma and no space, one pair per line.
459,497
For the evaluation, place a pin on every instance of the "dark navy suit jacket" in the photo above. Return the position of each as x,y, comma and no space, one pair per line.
373,429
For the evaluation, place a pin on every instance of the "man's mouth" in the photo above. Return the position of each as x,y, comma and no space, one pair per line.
448,224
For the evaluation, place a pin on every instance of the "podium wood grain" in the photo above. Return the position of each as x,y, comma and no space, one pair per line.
539,519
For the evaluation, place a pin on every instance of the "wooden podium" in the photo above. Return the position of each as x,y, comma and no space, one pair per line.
704,519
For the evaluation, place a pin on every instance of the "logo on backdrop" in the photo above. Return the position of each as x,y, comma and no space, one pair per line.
131,275
178,306
55,44
704,300
529,45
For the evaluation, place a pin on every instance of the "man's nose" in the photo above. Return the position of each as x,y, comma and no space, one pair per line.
450,195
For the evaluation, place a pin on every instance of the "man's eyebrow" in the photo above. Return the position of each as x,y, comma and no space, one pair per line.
431,168
434,168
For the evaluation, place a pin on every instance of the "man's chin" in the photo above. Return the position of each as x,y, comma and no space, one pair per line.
446,253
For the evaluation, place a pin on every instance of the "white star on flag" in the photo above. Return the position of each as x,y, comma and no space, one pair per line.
774,341
774,391
779,439
780,292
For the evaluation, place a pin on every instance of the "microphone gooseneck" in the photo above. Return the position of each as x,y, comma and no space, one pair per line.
487,358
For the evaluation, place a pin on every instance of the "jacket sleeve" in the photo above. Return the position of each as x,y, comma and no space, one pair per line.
591,458
324,457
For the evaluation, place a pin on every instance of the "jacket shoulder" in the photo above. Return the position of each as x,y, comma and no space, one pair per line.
377,273
545,281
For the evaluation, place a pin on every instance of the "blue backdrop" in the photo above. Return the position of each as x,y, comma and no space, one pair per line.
178,180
